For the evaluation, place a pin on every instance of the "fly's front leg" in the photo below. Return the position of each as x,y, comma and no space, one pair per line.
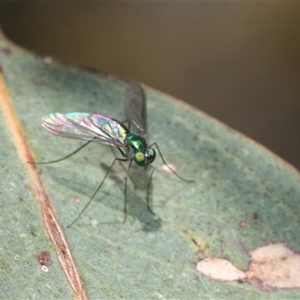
162,158
148,188
125,191
97,190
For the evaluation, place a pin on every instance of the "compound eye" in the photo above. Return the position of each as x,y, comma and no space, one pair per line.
139,159
151,155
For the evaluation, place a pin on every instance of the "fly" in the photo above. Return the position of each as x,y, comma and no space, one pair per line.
130,140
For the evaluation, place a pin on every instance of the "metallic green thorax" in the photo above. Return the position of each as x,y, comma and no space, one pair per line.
142,155
136,142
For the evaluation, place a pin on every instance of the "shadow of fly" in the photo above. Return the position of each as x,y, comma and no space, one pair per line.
130,140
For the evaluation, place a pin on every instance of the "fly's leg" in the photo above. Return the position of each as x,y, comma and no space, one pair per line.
125,191
60,159
148,188
181,178
97,190
124,169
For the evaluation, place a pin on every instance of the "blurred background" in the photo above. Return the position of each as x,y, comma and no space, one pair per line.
238,62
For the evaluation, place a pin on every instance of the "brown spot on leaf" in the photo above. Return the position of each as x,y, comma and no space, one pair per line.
242,224
27,187
44,258
198,244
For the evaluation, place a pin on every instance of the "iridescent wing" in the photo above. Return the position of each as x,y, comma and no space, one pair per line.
135,108
86,126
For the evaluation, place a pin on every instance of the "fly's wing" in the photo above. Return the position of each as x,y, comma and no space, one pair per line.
86,126
135,108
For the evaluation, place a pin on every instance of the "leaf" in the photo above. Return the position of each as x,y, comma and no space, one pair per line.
243,197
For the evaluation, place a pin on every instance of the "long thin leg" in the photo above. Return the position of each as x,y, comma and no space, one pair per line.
98,188
125,191
65,157
148,187
186,180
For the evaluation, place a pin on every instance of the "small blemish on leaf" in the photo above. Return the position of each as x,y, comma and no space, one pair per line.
45,269
33,231
44,258
27,187
242,224
94,223
198,244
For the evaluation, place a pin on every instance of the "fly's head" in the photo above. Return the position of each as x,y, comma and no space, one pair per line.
143,159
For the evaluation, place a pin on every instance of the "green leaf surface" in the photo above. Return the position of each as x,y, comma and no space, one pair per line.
148,256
